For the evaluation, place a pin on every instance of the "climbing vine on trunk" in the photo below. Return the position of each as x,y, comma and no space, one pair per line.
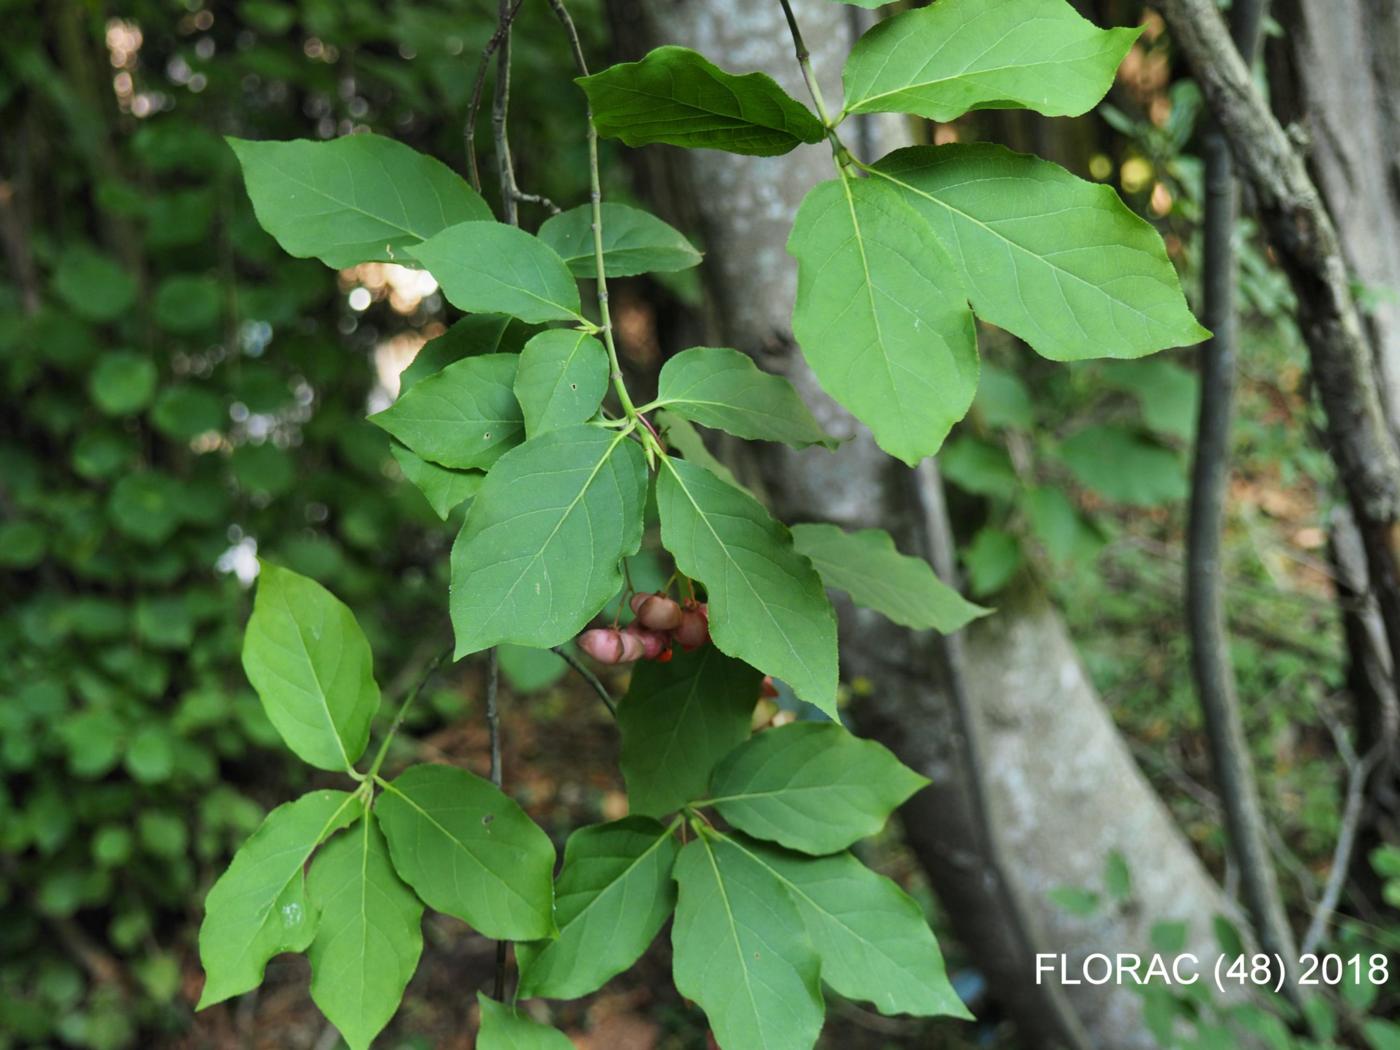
522,414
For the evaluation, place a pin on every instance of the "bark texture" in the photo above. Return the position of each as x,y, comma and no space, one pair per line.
1062,787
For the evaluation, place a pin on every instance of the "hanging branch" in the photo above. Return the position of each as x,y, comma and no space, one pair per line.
1245,822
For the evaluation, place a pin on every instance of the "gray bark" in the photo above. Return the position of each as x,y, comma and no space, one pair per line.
1061,785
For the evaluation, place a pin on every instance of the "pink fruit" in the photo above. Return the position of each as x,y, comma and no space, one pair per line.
653,643
694,630
610,646
658,613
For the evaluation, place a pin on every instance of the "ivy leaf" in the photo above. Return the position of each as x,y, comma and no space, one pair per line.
958,55
369,935
722,388
1060,262
767,604
488,267
538,554
741,951
464,417
872,937
613,895
470,851
677,721
355,199
443,487
258,906
677,96
881,316
634,242
562,379
811,786
867,567
312,668
1123,465
505,1028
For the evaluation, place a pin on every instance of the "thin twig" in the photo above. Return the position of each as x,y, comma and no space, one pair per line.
493,727
589,677
1245,822
500,116
469,131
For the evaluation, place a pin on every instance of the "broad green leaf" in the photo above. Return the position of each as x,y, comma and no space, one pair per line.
634,242
881,315
1169,394
956,55
471,336
529,670
562,379
538,554
1003,399
722,388
368,937
465,417
470,851
1061,529
741,951
811,786
681,434
867,567
993,558
443,487
677,96
356,199
1125,466
1058,261
873,939
487,267
96,287
979,467
613,895
312,668
258,907
123,383
184,411
677,721
506,1028
767,604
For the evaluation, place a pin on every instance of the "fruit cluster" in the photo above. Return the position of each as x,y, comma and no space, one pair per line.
660,623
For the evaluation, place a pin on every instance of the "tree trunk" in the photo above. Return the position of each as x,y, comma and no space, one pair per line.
1060,785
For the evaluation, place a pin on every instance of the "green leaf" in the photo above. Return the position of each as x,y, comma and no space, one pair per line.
741,951
980,468
1058,261
464,417
184,411
992,559
1169,394
530,670
258,907
866,3
187,304
811,786
95,287
505,1028
443,487
311,666
677,721
958,55
873,939
356,199
613,895
684,438
369,935
470,851
634,242
1003,400
468,337
562,379
724,389
538,554
1125,466
676,96
880,315
867,567
123,383
486,267
767,604
1057,523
